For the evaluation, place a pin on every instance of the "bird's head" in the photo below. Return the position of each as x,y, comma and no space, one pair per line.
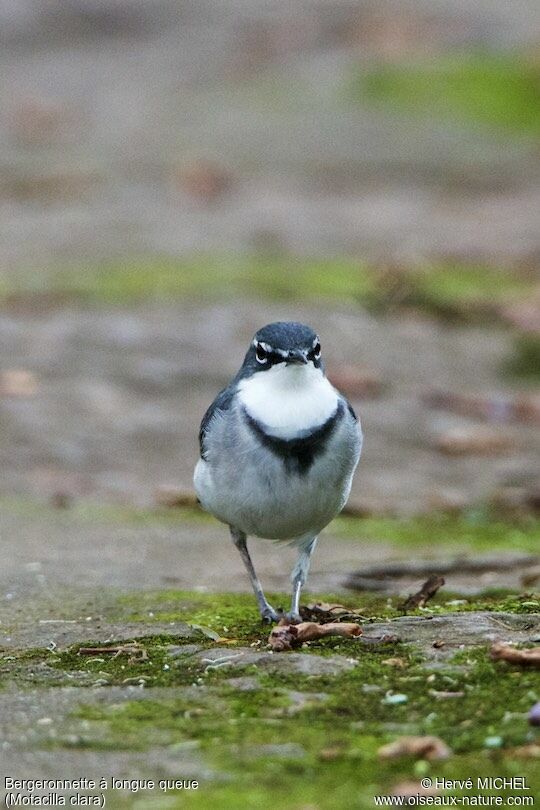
283,344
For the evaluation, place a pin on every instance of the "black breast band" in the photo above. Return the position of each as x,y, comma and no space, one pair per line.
299,453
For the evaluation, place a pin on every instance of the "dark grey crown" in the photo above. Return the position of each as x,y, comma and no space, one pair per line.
287,335
282,342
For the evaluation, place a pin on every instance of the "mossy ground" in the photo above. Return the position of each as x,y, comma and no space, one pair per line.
266,747
328,755
499,91
525,360
272,752
477,529
451,290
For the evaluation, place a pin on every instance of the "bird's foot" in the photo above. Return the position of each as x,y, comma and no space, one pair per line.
269,615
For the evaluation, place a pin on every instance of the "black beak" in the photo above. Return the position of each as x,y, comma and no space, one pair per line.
298,357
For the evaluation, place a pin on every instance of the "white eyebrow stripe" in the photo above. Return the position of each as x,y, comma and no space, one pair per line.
315,341
270,349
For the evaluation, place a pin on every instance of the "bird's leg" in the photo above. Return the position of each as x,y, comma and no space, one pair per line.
299,575
268,614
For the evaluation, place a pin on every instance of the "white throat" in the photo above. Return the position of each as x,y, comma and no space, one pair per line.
288,399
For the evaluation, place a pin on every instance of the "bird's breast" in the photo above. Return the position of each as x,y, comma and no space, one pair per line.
275,488
299,451
288,400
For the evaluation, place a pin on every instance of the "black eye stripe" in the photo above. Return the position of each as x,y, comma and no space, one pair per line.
266,354
261,354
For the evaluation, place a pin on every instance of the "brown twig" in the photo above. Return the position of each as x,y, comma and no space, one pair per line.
287,636
135,651
504,652
426,592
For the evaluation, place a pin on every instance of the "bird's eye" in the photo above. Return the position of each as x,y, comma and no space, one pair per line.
315,353
261,354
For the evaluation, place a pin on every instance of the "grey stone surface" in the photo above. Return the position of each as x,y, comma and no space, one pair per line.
278,750
302,700
305,664
458,630
33,723
246,683
120,395
184,650
61,633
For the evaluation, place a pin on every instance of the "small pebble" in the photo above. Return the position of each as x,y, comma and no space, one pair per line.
395,699
534,715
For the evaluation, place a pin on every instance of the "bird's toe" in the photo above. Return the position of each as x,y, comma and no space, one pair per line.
269,615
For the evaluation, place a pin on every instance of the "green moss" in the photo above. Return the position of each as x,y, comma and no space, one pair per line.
235,616
477,529
324,752
234,620
499,601
157,669
327,752
463,292
499,90
525,360
204,276
474,531
232,615
467,292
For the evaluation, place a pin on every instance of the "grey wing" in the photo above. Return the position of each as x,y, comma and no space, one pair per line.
357,430
221,403
350,409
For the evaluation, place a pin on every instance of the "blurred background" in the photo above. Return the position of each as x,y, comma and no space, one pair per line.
176,173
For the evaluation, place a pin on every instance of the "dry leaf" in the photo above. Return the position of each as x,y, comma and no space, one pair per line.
531,577
432,748
498,408
204,180
287,636
395,662
524,315
357,383
504,652
531,751
426,592
17,382
474,441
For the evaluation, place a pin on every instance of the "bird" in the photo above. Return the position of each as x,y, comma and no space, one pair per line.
278,450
